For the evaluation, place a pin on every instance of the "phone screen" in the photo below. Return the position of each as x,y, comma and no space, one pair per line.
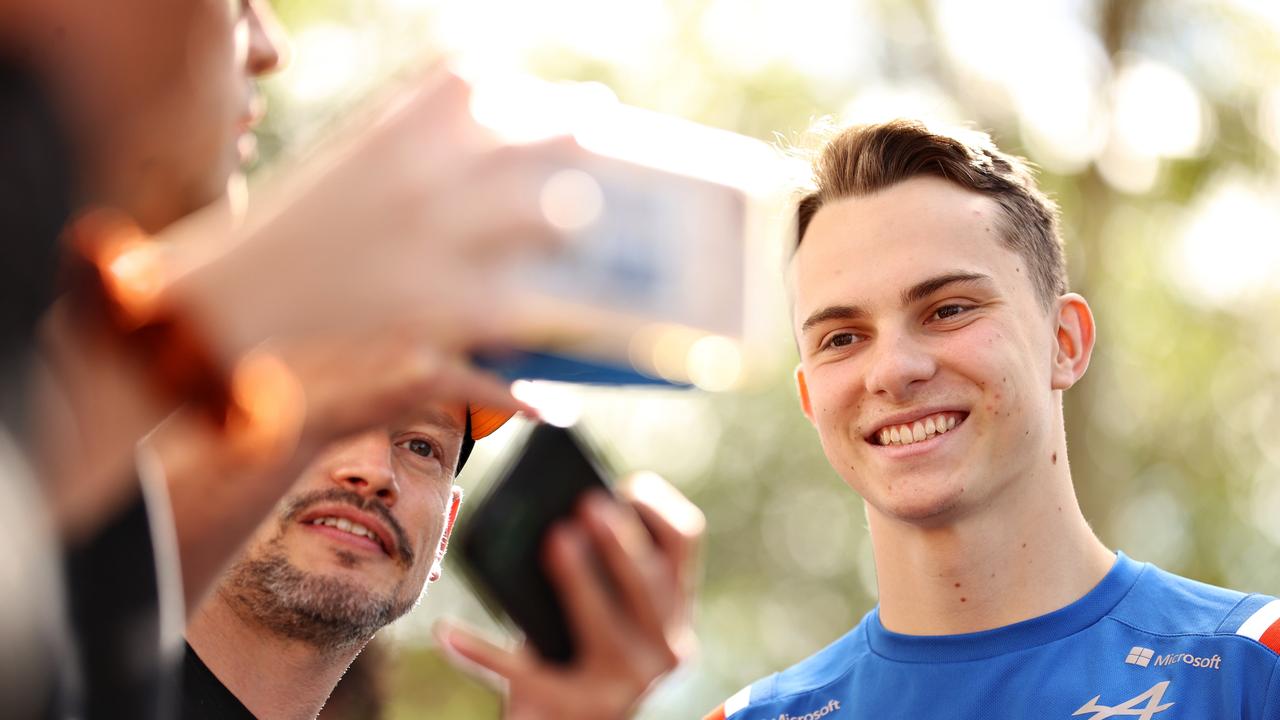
501,544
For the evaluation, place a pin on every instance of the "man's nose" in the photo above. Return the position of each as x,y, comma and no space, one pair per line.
268,41
363,466
899,363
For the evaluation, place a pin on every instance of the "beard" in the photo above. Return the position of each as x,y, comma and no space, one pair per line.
328,613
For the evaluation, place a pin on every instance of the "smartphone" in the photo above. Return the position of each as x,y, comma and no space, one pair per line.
500,544
662,260
669,229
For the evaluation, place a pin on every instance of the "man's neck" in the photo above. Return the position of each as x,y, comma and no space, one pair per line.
276,678
1027,553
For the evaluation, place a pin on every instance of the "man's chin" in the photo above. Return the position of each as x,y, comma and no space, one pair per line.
921,501
225,197
329,609
216,205
933,512
351,578
235,197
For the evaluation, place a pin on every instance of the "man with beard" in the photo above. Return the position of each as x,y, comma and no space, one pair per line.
362,532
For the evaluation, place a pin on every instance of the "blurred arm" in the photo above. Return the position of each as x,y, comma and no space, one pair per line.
374,269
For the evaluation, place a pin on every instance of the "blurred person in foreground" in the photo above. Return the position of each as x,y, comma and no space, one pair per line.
362,532
936,336
381,246
35,201
351,293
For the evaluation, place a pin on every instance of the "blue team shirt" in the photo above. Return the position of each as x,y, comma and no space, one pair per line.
1143,644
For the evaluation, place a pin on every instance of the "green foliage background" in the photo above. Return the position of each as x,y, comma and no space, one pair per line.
1175,431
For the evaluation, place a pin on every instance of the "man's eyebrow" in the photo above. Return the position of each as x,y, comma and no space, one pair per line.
442,419
911,295
922,290
833,312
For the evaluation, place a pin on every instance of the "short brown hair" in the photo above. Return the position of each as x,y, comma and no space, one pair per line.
864,159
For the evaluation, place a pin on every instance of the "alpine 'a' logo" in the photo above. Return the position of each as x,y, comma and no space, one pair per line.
1129,708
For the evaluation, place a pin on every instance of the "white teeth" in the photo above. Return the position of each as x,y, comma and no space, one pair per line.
918,430
347,526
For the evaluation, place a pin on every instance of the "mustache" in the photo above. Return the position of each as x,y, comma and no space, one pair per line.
371,505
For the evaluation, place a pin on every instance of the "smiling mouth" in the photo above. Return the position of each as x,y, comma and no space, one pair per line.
347,526
919,430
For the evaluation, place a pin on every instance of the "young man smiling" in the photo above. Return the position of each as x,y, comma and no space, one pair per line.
936,338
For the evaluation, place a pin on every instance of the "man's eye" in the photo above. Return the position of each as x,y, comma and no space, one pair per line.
418,446
949,311
843,339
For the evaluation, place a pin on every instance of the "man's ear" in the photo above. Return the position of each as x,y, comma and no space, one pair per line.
1075,336
802,387
455,502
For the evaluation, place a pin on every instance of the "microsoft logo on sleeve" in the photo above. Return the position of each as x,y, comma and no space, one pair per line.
1140,656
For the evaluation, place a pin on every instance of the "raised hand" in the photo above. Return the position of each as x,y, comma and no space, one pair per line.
631,629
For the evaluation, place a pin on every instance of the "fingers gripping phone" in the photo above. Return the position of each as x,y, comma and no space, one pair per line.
501,544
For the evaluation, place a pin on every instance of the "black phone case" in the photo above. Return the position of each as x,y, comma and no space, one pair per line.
501,544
